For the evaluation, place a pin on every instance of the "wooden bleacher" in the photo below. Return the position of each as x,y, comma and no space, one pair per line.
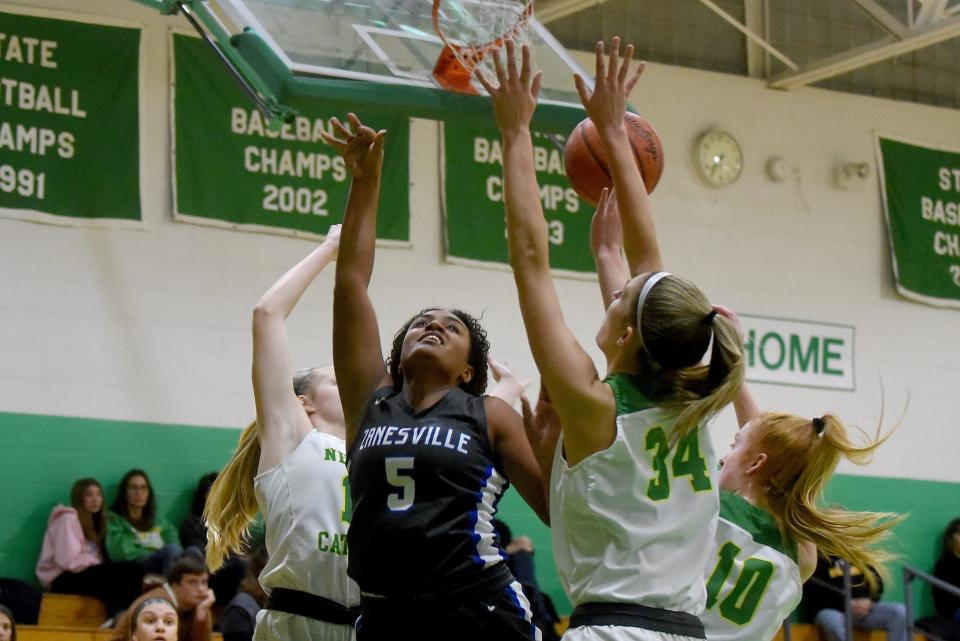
810,632
68,617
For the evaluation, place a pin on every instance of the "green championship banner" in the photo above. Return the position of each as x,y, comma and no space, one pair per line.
232,171
473,201
69,120
921,198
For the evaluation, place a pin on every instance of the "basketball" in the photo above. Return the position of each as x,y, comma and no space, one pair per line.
586,161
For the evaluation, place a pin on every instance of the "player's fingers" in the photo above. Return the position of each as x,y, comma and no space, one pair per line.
581,86
627,59
341,128
525,66
614,67
484,82
636,76
498,66
511,59
535,85
601,63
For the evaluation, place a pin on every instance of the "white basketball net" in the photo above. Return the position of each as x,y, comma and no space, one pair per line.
474,28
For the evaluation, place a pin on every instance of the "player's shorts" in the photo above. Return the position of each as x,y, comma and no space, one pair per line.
283,626
503,615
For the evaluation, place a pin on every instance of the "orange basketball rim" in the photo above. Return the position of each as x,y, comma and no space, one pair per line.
466,41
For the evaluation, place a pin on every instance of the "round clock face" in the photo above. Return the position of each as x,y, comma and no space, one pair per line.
719,158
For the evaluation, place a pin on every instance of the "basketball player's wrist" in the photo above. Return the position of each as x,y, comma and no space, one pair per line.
612,132
516,133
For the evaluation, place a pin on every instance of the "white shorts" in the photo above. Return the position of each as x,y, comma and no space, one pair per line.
619,633
283,626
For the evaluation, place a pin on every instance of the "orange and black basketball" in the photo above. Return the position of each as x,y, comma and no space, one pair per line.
586,160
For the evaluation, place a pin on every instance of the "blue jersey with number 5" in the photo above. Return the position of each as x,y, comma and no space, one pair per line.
425,489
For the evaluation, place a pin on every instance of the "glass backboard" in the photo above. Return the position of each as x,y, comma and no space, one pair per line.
386,41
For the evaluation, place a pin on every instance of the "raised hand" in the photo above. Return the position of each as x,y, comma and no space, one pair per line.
361,147
607,103
515,95
509,388
731,316
332,239
606,230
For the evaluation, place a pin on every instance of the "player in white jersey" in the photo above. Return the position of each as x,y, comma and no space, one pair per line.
763,548
633,506
769,486
290,465
771,523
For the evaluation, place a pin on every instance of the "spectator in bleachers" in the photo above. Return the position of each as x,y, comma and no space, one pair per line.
72,560
193,536
240,616
154,620
135,532
869,612
21,599
186,588
948,569
946,623
8,627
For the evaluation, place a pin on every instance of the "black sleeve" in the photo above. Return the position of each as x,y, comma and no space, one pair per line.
236,625
193,532
818,597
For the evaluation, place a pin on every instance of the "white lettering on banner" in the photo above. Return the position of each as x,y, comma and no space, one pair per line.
28,97
23,181
251,123
36,140
798,353
552,196
938,211
490,152
946,244
27,50
949,179
298,164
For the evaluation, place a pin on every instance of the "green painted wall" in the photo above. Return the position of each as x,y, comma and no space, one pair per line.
43,455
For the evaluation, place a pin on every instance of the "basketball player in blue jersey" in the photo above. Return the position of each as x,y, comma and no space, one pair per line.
429,456
290,466
633,505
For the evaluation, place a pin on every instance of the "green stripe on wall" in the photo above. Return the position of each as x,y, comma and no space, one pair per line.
44,455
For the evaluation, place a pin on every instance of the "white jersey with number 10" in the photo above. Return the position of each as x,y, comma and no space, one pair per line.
752,578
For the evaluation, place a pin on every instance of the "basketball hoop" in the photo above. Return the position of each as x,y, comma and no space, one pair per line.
471,30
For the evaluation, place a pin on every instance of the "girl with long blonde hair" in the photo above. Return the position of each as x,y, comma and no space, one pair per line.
290,466
633,501
771,521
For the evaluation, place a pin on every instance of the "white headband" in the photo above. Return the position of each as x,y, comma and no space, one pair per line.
647,286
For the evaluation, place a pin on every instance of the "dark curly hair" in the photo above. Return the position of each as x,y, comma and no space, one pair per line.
479,347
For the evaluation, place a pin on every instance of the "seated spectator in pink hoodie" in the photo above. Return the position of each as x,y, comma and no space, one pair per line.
72,558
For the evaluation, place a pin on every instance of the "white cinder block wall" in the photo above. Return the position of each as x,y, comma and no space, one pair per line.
154,325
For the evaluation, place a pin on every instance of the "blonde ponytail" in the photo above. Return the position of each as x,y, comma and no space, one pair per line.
232,504
805,454
677,325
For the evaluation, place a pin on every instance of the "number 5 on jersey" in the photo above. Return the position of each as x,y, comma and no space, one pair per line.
399,469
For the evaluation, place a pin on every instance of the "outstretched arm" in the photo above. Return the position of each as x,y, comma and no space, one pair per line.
582,400
606,242
281,420
513,451
607,106
509,388
542,426
743,404
357,354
